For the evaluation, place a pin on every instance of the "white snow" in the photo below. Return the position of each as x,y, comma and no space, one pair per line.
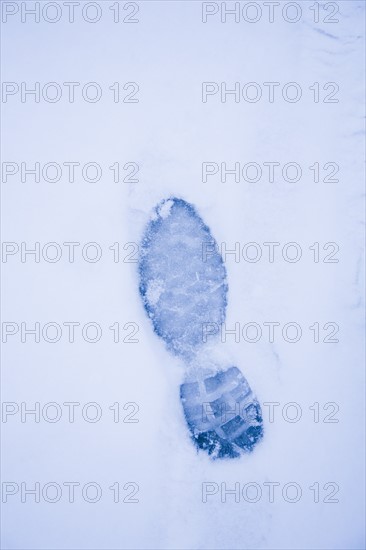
169,134
154,291
165,208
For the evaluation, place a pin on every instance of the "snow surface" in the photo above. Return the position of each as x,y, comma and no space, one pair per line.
169,133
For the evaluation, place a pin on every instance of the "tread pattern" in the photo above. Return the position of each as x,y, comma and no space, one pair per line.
222,413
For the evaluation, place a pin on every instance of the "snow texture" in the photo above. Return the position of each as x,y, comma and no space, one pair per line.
169,134
222,414
183,287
